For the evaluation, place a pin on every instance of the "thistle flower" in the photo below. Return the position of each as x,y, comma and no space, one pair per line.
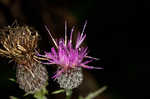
19,44
69,59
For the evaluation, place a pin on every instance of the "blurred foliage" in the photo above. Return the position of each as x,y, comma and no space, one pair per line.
13,97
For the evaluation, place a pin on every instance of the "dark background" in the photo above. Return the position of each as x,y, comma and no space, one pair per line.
117,33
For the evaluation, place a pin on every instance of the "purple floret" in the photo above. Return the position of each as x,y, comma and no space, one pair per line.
67,56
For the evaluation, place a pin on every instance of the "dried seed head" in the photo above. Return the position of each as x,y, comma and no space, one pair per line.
19,44
70,79
32,79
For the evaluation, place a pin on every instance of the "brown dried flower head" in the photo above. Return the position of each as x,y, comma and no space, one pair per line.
19,44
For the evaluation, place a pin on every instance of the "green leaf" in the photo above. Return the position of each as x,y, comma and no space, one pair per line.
12,79
96,93
12,97
58,91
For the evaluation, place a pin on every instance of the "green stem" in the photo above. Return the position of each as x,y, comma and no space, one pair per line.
41,94
68,93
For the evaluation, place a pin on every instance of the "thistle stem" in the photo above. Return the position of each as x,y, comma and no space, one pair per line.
41,94
68,93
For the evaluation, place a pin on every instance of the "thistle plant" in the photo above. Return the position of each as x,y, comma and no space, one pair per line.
70,59
19,44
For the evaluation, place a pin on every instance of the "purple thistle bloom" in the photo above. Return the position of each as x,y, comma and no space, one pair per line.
69,59
67,56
